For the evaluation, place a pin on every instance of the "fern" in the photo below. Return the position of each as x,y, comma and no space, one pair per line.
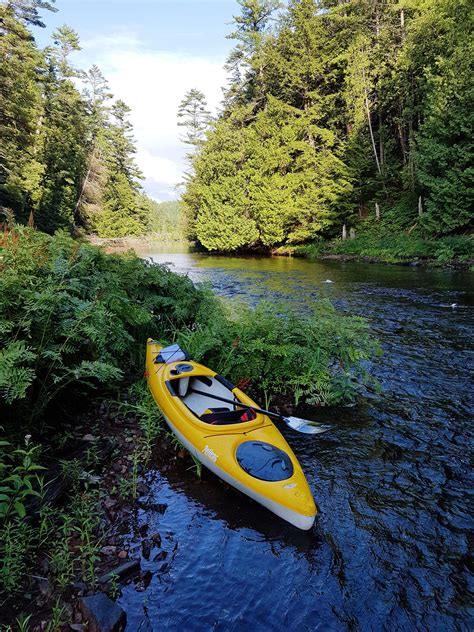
14,378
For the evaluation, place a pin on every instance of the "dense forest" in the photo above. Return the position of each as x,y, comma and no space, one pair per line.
67,158
339,113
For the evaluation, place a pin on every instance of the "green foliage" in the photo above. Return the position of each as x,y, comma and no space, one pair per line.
16,543
446,145
14,378
140,403
167,219
19,483
127,487
319,359
73,317
66,160
341,106
19,478
396,248
72,536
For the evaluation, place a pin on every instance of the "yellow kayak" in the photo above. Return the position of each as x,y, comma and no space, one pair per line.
243,447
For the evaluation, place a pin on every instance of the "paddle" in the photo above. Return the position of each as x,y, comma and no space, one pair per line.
300,425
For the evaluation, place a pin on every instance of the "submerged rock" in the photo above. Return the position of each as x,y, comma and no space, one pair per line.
156,539
146,549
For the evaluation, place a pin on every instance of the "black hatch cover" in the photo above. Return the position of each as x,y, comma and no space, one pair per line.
264,461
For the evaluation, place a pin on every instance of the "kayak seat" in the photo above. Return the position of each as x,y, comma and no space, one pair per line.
224,416
183,386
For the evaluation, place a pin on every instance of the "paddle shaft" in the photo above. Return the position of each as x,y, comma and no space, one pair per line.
237,403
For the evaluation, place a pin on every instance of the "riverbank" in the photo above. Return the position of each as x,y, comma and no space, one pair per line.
123,244
96,485
456,252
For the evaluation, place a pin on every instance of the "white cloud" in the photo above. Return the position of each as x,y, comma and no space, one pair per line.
152,83
158,168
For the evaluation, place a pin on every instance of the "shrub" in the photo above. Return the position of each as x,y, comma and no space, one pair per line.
71,315
319,358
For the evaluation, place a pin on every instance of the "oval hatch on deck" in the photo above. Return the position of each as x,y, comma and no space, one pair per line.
264,461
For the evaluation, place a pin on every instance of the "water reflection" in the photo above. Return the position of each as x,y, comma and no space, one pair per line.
393,480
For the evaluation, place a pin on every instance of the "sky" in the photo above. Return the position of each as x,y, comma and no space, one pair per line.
152,52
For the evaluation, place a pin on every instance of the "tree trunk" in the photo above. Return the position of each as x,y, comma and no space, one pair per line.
377,211
381,147
369,120
344,232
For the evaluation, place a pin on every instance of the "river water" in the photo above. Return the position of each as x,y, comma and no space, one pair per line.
390,549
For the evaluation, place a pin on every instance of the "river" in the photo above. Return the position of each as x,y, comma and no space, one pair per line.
393,479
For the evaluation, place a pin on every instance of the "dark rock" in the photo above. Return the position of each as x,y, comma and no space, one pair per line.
122,572
156,539
164,568
123,555
146,549
102,614
159,557
117,467
108,550
146,578
143,488
109,502
151,506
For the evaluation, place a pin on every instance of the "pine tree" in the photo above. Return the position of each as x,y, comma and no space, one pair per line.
246,62
123,212
121,144
445,142
66,41
194,116
27,10
64,137
21,168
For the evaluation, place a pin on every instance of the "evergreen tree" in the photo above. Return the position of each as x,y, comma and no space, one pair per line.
21,168
121,145
446,137
194,116
97,94
64,137
123,211
348,109
246,62
27,10
66,41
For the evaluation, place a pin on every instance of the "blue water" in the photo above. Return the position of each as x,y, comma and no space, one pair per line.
393,480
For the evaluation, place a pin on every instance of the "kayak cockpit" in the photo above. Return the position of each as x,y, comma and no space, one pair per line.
201,395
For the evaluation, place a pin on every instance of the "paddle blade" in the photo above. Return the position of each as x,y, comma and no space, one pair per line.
305,426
